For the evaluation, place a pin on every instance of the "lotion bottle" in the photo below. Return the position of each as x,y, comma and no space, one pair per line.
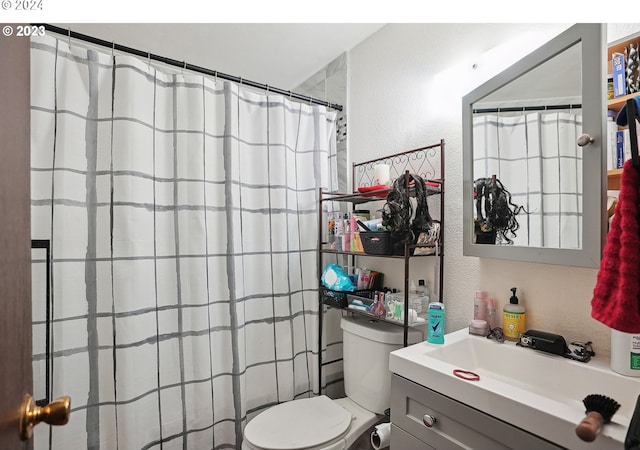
480,306
513,318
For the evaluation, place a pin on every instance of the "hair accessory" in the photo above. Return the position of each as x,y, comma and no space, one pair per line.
466,375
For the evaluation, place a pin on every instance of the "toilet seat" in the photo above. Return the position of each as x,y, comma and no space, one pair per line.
298,424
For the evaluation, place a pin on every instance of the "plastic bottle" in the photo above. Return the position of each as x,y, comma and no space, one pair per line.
492,315
423,291
415,299
513,318
435,333
480,306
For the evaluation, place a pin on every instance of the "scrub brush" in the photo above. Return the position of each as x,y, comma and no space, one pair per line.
600,409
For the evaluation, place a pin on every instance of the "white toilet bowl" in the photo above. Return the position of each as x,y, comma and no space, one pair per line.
320,423
316,423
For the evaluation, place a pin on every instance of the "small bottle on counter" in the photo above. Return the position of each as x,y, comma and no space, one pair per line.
415,299
480,306
492,315
513,318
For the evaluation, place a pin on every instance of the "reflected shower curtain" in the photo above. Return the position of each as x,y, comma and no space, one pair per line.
536,158
182,213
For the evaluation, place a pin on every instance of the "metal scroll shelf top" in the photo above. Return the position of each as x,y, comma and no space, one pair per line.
425,162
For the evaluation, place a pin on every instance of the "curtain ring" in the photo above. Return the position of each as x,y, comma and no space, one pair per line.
149,59
113,47
69,36
216,77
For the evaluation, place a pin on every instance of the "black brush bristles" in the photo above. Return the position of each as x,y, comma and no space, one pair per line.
601,404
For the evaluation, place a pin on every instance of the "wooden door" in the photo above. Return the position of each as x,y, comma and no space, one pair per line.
15,238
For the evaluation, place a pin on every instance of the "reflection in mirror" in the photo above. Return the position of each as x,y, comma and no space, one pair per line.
527,167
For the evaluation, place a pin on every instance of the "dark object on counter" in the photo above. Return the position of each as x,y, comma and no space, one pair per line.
497,334
600,409
543,341
632,441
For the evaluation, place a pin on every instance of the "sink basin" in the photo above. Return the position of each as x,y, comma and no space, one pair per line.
535,391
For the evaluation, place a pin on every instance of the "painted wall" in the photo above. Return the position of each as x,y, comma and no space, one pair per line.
405,88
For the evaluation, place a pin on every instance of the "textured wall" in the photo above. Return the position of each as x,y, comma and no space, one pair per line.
405,88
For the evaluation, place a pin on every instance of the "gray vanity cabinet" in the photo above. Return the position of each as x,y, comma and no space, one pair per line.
456,426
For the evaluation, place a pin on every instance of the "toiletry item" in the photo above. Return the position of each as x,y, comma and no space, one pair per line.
381,174
492,315
363,213
413,317
625,353
339,225
435,334
364,277
415,299
480,306
423,292
421,287
398,310
513,318
479,327
389,304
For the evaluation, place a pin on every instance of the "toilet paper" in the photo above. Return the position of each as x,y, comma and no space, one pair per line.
380,438
381,174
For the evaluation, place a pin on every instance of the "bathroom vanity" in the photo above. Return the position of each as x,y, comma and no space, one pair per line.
522,399
423,418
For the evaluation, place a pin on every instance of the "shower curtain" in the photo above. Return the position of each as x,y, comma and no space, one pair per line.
182,214
536,158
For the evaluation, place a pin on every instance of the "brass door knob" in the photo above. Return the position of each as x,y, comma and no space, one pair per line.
55,413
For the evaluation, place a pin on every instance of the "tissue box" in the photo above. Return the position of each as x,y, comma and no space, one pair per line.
619,75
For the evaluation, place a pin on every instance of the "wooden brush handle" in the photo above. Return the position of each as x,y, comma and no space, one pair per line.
589,427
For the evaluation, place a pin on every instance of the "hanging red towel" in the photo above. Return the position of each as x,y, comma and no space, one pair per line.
616,296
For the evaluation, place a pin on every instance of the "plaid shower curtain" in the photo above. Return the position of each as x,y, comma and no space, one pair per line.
182,215
536,158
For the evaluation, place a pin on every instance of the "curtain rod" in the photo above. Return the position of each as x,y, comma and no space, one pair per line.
528,108
183,65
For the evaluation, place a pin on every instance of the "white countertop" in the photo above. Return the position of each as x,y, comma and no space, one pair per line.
535,391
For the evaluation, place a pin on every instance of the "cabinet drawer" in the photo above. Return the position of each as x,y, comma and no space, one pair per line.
401,440
457,425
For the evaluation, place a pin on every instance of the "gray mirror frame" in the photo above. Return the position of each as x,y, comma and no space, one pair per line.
594,79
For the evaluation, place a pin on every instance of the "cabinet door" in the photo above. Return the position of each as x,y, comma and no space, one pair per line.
401,440
566,225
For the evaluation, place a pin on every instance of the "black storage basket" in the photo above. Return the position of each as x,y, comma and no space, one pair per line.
338,299
376,242
381,243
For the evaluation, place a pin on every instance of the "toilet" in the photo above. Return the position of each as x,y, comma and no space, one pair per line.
320,423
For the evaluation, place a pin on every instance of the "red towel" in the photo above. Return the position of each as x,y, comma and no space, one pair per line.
616,296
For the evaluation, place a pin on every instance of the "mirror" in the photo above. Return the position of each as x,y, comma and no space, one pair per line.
531,193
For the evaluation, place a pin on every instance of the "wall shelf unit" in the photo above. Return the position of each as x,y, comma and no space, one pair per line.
426,162
616,103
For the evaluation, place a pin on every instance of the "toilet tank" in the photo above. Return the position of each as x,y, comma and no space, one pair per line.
366,345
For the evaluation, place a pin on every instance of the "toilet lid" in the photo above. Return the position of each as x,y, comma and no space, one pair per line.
298,424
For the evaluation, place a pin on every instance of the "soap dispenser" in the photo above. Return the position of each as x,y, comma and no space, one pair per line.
513,318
